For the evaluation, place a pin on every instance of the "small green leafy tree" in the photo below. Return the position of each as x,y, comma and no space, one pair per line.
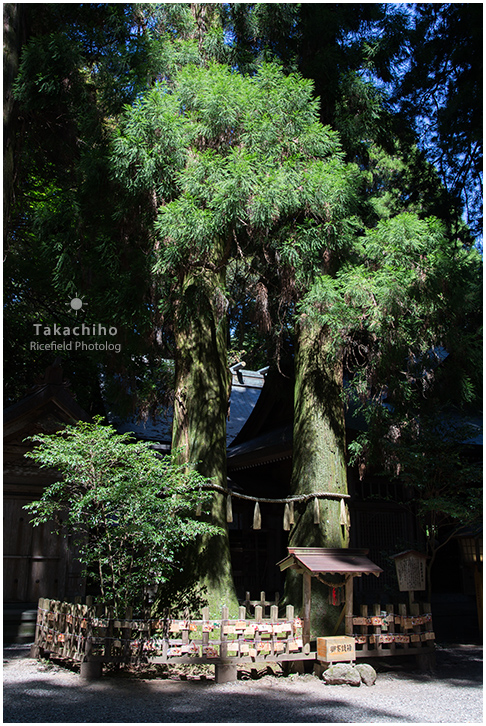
129,511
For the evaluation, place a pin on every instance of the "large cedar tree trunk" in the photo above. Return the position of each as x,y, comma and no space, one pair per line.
319,463
199,429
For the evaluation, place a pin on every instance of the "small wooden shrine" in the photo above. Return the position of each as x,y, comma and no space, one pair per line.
318,561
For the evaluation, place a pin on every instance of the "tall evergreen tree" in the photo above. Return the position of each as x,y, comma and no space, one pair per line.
341,49
238,165
215,167
71,232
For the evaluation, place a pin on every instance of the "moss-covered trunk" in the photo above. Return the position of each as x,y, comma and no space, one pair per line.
319,463
200,409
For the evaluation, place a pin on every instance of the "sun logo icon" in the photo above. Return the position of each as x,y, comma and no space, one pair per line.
76,303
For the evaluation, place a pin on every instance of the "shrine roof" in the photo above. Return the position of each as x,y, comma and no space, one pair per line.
49,402
318,560
408,554
246,388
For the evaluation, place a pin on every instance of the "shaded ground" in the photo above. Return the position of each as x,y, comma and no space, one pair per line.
42,692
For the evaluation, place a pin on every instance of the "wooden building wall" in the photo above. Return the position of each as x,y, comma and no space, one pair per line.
36,562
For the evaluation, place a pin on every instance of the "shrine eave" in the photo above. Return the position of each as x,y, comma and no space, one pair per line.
320,560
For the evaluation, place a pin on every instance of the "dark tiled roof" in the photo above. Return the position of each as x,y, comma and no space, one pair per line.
245,391
271,446
242,403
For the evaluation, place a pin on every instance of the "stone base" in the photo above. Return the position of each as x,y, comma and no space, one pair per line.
347,674
367,673
225,673
293,666
341,674
426,661
35,651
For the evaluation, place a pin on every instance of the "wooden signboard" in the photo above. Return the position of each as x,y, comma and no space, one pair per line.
335,649
410,567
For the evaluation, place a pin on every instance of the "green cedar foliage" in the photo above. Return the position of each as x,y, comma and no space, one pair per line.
128,510
343,47
408,291
78,65
73,231
243,160
441,95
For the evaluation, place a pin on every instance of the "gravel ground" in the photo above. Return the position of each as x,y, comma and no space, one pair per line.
42,692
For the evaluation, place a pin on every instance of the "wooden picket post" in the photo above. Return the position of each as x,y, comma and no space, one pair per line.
126,632
79,637
402,611
390,610
66,629
35,649
241,616
426,660
205,636
364,628
90,669
108,614
224,672
377,629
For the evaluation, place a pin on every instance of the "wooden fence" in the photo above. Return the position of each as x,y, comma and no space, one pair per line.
91,633
394,631
250,604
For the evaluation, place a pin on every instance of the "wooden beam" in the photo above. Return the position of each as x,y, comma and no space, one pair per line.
307,589
348,615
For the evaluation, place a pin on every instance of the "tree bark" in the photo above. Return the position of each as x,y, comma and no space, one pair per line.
319,463
13,16
204,15
200,410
